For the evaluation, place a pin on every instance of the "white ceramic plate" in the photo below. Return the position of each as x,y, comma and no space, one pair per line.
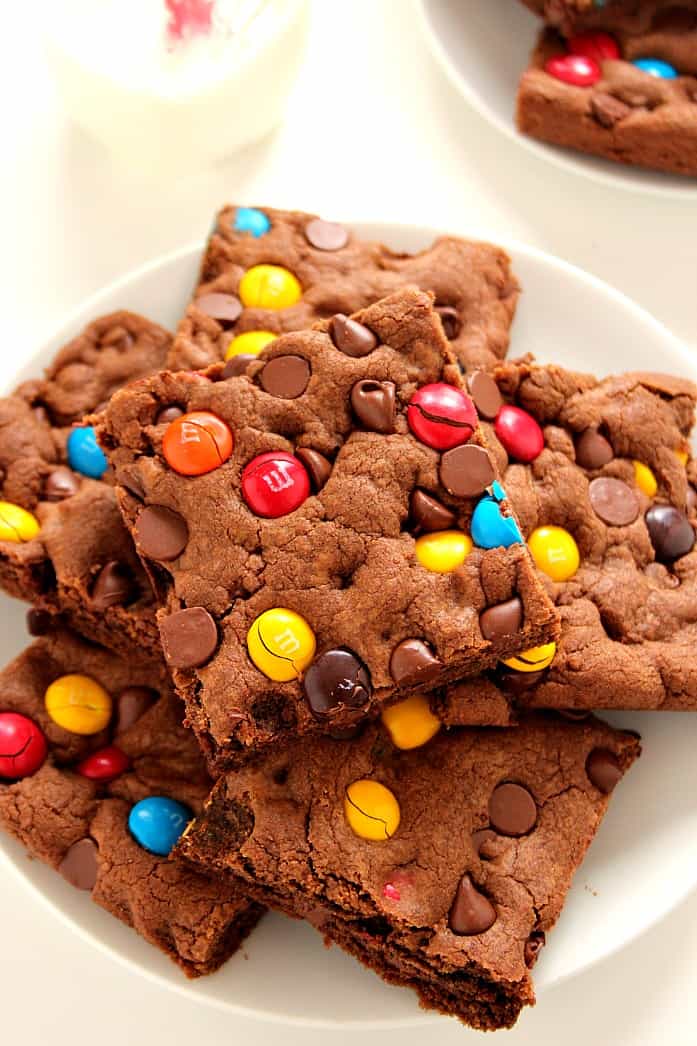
483,46
644,860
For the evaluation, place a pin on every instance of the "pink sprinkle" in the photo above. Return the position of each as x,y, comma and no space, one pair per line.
390,892
189,17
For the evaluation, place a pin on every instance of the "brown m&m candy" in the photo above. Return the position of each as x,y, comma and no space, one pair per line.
337,681
512,809
670,531
472,912
161,533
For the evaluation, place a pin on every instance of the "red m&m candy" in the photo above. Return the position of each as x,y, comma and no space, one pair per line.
599,46
197,443
23,746
519,433
104,765
441,416
274,484
574,69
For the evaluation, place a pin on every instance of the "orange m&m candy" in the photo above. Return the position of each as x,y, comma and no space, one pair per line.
197,443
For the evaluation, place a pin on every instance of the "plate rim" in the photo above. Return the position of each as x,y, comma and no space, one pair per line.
372,230
566,159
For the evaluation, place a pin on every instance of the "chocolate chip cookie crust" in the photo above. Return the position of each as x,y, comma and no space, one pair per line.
374,572
450,896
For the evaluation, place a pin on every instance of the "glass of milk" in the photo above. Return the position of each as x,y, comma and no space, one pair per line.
175,83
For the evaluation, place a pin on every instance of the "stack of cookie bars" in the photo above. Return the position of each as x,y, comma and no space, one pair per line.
325,595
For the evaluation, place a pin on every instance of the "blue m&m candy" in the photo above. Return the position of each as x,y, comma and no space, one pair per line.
491,529
84,453
157,823
656,67
249,219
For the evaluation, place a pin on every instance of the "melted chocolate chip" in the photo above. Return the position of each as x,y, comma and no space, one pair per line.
413,660
113,587
337,680
373,403
503,619
428,514
60,484
318,467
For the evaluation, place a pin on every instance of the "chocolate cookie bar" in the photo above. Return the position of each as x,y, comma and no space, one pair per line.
63,546
625,18
608,507
614,99
98,777
266,271
327,530
442,868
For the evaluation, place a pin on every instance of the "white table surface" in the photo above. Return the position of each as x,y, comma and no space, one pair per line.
374,132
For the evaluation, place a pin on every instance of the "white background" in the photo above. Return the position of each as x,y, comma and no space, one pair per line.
373,132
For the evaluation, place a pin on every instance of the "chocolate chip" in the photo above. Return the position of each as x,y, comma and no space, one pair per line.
670,531
485,393
189,637
613,501
481,838
373,403
131,704
161,533
450,320
38,622
113,587
472,913
60,484
518,682
413,660
79,866
335,681
593,450
503,619
350,337
168,414
607,109
132,483
533,946
466,471
428,514
603,769
286,377
224,307
512,810
318,467
238,364
326,236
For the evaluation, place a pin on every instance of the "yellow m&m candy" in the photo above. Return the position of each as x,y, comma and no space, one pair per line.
371,810
16,524
411,723
443,551
533,660
682,456
555,552
78,704
249,344
269,287
281,644
645,479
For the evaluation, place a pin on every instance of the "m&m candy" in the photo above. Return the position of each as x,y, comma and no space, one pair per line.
197,443
655,67
536,659
274,484
574,69
443,551
16,524
519,433
104,765
252,220
411,723
645,479
441,416
601,47
371,810
555,552
489,527
84,453
250,343
281,644
78,704
269,287
158,823
23,746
